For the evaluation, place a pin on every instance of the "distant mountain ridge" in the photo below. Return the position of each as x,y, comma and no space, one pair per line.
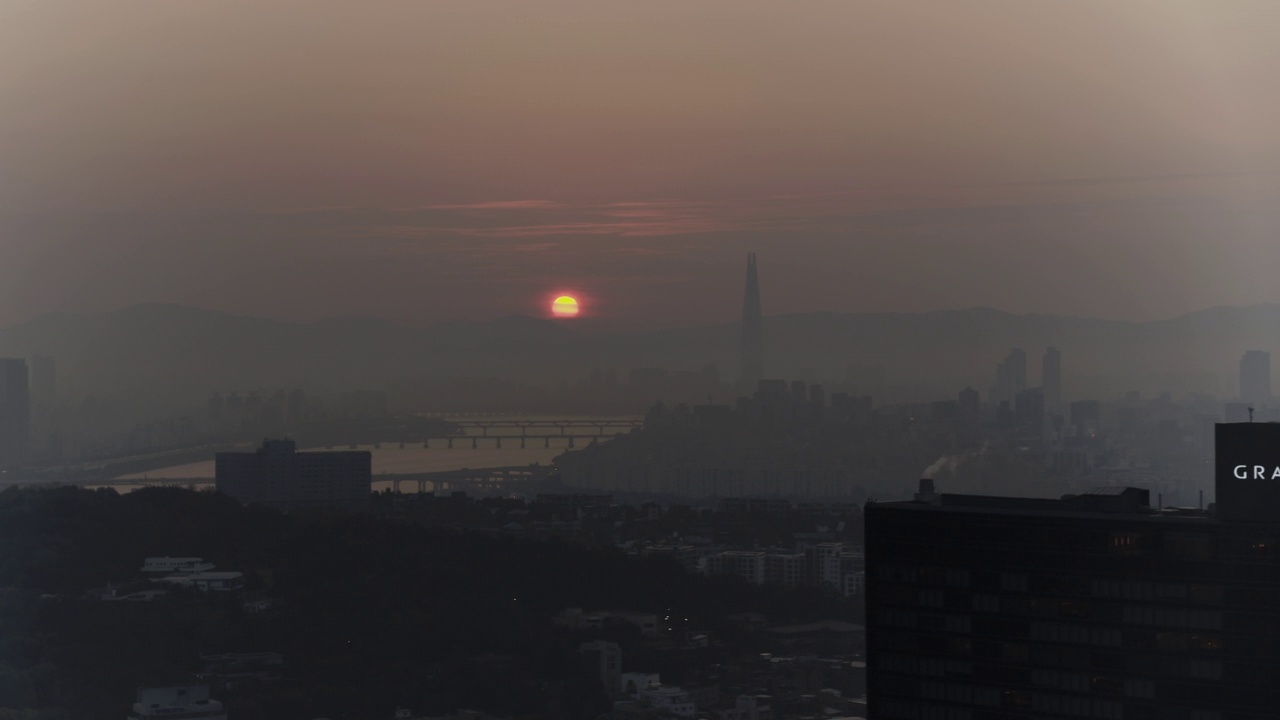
185,353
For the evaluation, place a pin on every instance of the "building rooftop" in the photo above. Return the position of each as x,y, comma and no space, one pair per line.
1101,501
228,575
836,626
1113,491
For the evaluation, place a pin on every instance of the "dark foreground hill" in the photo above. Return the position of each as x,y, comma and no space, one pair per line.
372,614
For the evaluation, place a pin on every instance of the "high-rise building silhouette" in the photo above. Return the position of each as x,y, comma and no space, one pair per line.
1098,605
752,328
1086,416
1255,378
15,411
277,475
43,384
969,404
1051,379
1028,410
799,391
1011,376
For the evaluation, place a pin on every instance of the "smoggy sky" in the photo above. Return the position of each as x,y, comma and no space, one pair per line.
432,160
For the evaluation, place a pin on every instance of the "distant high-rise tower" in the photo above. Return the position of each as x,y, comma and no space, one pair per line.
969,404
43,376
752,328
1255,378
15,411
1051,381
1028,410
1011,376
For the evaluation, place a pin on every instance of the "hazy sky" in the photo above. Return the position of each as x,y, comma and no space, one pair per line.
432,160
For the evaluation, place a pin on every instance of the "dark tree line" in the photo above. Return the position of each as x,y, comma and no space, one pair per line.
372,614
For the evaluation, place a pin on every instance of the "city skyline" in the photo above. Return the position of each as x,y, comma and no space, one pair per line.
397,360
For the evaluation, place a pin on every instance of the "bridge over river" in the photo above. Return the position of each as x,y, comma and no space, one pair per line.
493,478
525,430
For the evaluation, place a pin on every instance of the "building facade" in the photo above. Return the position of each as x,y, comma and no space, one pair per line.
605,658
279,476
1097,606
1011,376
747,564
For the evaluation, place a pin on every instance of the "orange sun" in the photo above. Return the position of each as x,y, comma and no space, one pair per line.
564,306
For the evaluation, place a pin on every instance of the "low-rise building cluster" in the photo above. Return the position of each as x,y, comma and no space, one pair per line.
766,672
160,574
188,702
830,563
192,572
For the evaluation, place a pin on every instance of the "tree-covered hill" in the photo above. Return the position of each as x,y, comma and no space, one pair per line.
372,614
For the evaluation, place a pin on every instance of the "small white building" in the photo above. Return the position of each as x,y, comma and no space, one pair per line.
208,581
670,699
189,702
786,569
168,565
854,583
825,562
747,564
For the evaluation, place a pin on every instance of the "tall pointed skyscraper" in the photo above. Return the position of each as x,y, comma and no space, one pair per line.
752,322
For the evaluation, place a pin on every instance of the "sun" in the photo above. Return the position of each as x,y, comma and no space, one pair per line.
564,306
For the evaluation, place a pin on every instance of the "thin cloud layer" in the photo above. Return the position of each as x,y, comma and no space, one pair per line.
1113,159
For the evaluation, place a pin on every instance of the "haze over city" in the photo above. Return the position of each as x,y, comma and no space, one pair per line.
653,360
